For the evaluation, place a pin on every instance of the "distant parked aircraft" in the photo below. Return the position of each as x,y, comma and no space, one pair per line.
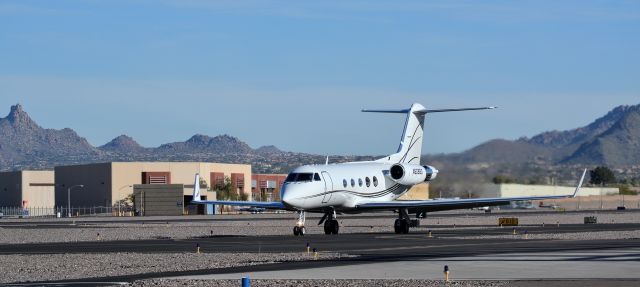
357,187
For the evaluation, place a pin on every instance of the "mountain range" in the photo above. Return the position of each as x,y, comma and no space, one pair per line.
26,145
612,140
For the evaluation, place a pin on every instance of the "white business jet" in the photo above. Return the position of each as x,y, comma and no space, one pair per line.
357,187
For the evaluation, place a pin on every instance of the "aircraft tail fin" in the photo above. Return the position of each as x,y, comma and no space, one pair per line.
196,188
410,148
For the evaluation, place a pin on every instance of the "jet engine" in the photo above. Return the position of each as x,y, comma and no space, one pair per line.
410,174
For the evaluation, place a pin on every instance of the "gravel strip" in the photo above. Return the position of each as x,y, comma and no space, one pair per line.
332,283
53,267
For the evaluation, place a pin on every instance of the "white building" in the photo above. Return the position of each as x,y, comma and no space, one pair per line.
519,190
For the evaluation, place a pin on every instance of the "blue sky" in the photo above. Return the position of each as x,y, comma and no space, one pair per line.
296,73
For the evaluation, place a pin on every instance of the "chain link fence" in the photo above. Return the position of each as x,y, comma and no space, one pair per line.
54,212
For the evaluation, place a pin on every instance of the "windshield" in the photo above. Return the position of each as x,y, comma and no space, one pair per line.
299,177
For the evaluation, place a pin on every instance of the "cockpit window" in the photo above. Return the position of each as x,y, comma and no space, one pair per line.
316,177
299,177
291,177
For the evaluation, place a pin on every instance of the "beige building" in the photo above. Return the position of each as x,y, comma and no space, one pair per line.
27,189
518,190
417,192
107,183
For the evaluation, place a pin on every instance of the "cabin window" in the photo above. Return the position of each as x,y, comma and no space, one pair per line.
375,181
353,183
344,183
367,181
360,182
316,177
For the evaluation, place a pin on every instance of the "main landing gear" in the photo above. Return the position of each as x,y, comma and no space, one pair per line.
299,229
402,223
331,225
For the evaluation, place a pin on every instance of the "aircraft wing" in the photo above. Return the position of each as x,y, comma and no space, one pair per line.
267,205
450,204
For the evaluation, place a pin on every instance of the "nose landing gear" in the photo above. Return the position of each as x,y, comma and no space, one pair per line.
299,229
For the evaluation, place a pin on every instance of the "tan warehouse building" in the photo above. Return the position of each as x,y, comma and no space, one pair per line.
26,190
104,184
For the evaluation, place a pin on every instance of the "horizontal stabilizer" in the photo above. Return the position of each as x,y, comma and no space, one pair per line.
426,111
404,111
454,110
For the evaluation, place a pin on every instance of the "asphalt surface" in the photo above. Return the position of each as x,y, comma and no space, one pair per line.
371,248
359,244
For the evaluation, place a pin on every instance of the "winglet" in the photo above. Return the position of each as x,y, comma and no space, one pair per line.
584,173
196,188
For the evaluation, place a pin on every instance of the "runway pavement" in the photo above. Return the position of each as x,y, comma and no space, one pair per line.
363,243
575,263
389,255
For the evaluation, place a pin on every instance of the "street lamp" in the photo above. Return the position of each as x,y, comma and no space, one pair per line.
69,198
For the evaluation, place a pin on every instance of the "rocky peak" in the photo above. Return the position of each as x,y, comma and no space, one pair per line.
122,143
227,143
227,139
19,118
202,143
268,149
199,139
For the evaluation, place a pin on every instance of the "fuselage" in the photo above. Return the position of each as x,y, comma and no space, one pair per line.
340,187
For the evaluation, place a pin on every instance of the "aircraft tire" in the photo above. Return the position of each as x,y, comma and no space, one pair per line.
405,227
302,231
335,227
327,227
296,231
397,226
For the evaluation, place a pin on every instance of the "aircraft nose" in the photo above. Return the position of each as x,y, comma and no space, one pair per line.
289,196
285,196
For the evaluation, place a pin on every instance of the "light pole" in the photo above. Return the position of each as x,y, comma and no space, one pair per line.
69,198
